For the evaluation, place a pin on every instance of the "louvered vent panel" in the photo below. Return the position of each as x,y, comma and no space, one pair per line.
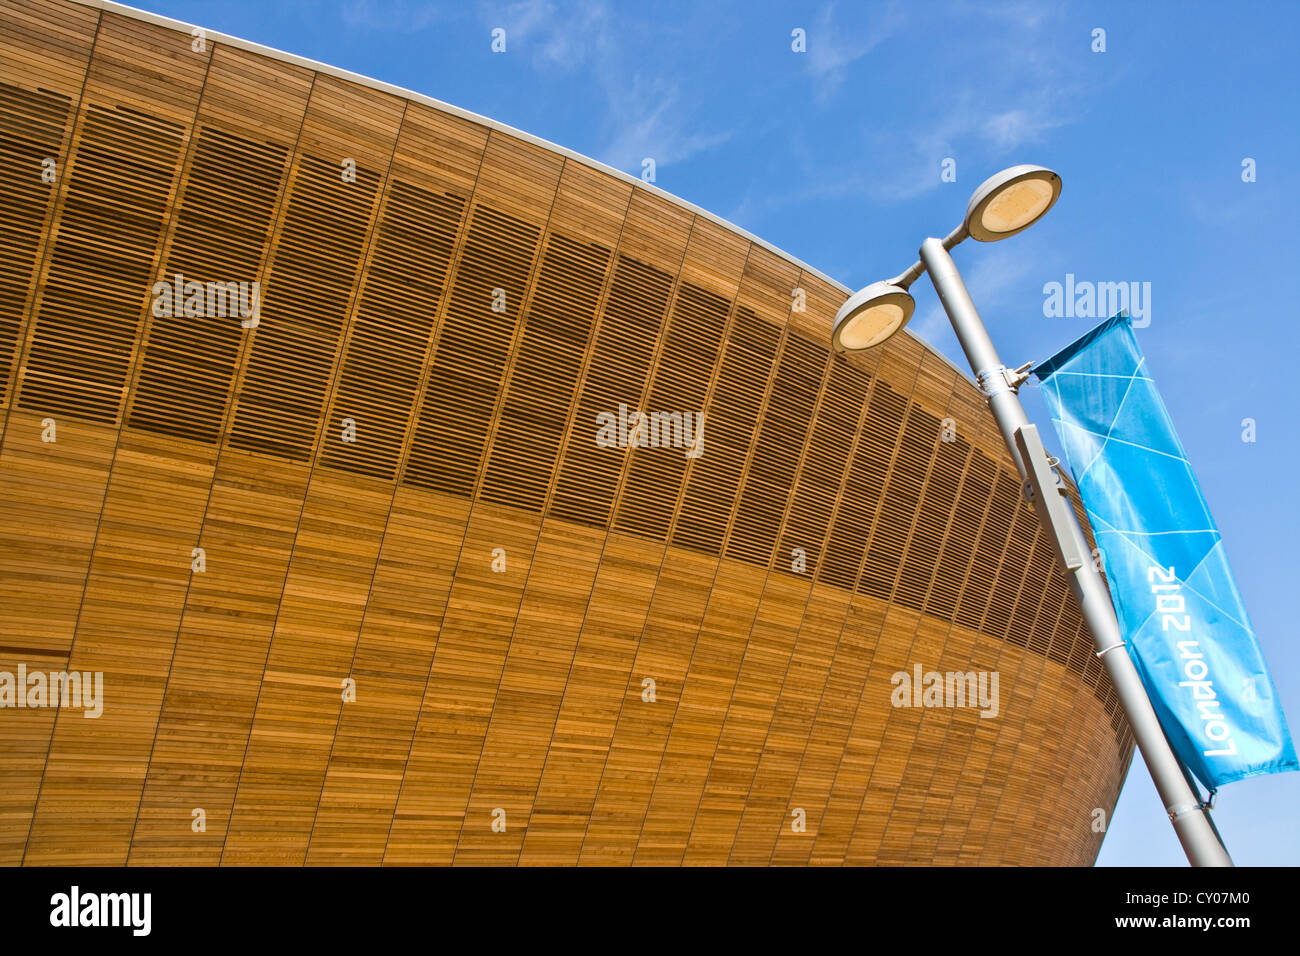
825,464
781,440
864,488
960,548
984,568
1072,612
680,385
1071,621
620,362
902,499
1093,671
99,278
390,334
1048,638
730,426
1113,708
1025,614
1013,573
31,130
1098,680
472,349
1062,645
219,238
555,338
304,310
936,509
1081,649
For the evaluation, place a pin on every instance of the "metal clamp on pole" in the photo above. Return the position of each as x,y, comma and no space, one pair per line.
1045,490
995,381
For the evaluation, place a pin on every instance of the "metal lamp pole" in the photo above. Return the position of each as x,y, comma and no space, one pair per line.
1191,820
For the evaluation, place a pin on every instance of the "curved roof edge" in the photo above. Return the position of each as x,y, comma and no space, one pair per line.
391,88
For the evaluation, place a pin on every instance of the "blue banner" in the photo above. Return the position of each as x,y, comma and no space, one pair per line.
1173,591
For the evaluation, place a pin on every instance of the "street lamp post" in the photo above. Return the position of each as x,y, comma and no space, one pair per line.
1002,206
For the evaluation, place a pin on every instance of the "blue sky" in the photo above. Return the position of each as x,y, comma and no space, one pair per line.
835,156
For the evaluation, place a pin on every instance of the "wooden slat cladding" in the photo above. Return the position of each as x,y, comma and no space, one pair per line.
786,421
344,146
105,241
341,523
53,498
636,750
237,175
731,423
713,668
571,640
189,362
961,546
553,607
656,233
390,335
434,168
309,291
104,251
472,350
44,50
737,409
901,501
881,433
667,640
888,794
221,641
395,646
618,604
32,128
52,520
153,510
499,542
680,386
555,338
824,466
46,44
340,531
624,349
691,347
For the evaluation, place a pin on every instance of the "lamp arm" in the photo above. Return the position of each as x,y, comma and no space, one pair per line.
917,268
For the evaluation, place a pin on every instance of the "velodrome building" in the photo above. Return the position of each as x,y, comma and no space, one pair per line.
427,494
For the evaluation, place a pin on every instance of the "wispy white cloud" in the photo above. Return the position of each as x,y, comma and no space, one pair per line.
975,127
1013,128
522,21
553,38
1007,91
831,50
645,114
651,121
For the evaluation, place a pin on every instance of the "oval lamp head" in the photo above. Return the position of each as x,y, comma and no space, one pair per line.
870,316
1011,201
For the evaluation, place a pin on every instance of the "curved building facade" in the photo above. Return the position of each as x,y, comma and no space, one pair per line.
378,566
